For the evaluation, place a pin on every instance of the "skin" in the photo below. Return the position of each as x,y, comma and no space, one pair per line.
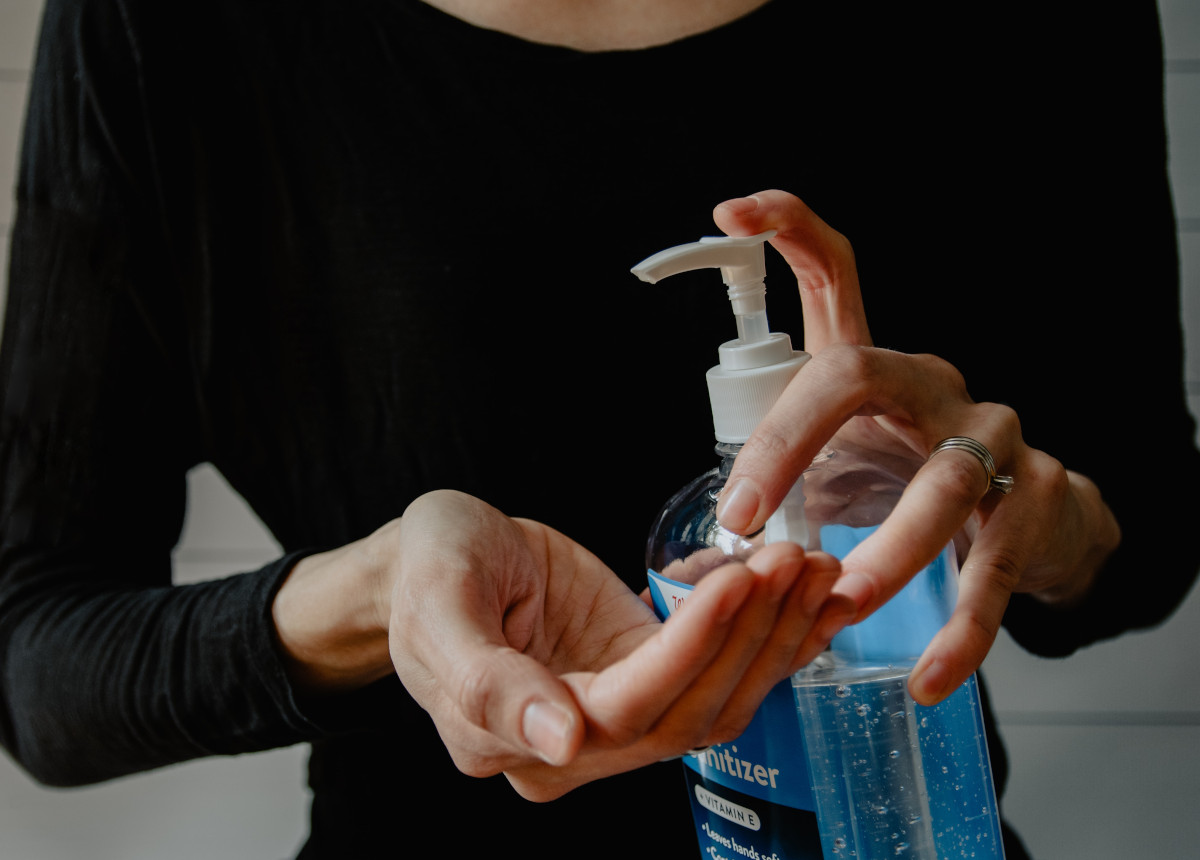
533,659
598,25
1049,537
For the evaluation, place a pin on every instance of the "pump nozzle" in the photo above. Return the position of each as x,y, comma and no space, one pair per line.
743,269
755,368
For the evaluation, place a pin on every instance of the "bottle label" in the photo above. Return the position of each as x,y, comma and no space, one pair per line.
751,797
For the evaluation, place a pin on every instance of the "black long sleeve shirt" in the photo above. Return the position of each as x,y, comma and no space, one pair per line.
352,252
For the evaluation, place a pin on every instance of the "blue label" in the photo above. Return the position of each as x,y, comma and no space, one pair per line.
751,797
898,631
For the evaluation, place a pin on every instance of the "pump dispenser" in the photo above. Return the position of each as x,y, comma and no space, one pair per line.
838,762
754,369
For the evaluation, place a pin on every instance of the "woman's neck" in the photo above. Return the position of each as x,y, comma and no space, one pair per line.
598,25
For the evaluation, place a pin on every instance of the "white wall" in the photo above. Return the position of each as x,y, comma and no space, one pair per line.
1100,770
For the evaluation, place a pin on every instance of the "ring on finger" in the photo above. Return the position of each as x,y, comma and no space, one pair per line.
1003,483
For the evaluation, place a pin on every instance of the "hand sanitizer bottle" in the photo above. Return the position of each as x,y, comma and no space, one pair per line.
864,772
751,797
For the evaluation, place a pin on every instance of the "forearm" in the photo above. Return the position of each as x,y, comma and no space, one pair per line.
103,681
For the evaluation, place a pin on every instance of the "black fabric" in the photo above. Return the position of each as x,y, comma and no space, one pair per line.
350,252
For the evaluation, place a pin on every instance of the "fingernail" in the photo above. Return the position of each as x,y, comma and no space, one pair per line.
737,506
780,580
779,566
856,587
928,683
547,728
743,205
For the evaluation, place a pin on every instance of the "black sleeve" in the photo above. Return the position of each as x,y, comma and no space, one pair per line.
105,667
1099,368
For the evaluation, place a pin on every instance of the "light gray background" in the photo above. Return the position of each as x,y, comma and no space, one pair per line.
1105,745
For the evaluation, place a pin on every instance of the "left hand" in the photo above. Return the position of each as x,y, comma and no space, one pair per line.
1049,536
534,659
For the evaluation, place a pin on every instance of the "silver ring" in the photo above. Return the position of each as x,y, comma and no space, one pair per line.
1003,483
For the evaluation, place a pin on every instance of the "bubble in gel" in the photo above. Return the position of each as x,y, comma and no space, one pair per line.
842,691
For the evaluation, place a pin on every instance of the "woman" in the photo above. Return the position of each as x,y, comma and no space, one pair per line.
350,262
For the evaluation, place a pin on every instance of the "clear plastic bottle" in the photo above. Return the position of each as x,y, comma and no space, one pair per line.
876,774
891,778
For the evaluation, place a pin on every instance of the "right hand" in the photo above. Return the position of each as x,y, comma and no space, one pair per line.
1048,538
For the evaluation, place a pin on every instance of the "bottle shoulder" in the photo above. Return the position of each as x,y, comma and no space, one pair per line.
686,540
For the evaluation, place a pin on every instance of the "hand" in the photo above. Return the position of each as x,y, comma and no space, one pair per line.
534,659
1049,536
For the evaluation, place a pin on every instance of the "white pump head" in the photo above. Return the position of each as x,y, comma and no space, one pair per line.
755,368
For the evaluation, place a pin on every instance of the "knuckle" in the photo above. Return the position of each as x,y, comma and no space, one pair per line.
999,569
960,480
845,361
771,441
685,735
623,734
1005,419
841,246
474,764
729,726
1005,567
977,638
473,690
538,790
853,371
1049,475
946,376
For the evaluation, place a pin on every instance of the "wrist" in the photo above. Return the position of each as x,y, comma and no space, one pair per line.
330,619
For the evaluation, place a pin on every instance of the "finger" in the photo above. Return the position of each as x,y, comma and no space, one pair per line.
726,615
1002,551
985,587
958,649
832,387
821,258
806,622
548,733
493,687
945,492
837,613
678,729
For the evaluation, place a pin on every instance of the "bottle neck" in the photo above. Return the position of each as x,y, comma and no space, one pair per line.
727,451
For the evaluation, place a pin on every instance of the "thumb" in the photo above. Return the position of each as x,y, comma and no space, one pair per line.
465,632
820,257
514,697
